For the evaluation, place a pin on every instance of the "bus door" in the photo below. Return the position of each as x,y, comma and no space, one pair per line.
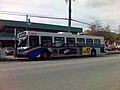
80,44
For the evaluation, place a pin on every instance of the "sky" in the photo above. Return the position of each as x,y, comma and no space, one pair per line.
89,11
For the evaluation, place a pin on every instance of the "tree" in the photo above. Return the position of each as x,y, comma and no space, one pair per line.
96,26
97,29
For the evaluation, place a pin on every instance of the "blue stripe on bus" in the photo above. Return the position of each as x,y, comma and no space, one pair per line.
34,53
97,46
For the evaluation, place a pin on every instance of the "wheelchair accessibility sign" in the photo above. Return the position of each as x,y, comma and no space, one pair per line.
86,51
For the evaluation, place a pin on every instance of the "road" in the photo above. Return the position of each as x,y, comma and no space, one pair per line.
86,73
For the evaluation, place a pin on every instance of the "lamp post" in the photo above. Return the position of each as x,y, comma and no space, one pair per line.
15,45
27,22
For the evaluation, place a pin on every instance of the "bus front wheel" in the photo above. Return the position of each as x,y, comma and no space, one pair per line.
45,55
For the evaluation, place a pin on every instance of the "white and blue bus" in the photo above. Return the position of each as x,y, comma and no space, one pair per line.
44,45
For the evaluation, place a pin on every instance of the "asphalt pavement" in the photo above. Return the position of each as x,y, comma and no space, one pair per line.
90,73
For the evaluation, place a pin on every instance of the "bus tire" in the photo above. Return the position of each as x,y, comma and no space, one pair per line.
93,53
45,55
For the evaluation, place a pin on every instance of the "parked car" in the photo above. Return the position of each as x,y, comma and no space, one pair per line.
111,48
118,47
9,50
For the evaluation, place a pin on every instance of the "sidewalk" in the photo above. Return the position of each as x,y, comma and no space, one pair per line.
113,52
12,58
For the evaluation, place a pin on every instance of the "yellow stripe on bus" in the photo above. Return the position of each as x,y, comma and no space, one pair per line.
32,49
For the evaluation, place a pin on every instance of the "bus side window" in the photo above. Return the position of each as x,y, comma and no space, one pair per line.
89,42
46,41
70,42
80,41
59,41
33,40
97,41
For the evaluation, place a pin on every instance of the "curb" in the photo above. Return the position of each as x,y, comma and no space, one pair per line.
113,52
13,59
23,59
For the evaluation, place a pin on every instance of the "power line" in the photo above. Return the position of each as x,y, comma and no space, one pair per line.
30,15
12,13
21,4
33,15
81,22
37,16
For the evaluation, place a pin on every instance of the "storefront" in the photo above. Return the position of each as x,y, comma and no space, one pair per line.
6,40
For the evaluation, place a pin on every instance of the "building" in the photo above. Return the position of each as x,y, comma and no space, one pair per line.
7,36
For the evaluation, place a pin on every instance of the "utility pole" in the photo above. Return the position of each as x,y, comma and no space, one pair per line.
69,20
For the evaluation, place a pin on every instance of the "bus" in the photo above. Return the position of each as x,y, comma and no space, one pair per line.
45,45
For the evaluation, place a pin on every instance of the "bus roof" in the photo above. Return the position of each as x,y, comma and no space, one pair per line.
59,34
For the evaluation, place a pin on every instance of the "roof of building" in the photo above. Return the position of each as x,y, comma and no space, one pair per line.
39,26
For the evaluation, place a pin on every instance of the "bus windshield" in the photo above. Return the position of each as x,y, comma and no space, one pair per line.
23,42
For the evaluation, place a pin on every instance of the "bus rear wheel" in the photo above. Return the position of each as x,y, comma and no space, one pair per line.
93,53
45,55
